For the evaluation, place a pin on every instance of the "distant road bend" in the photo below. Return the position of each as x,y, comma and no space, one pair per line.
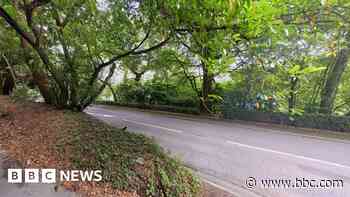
226,154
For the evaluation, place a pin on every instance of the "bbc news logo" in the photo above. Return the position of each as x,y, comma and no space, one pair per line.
51,175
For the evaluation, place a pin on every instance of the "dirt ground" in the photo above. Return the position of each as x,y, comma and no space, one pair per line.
28,134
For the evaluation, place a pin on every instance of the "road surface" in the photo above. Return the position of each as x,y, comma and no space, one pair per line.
239,157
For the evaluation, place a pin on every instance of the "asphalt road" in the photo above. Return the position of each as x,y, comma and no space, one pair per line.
225,154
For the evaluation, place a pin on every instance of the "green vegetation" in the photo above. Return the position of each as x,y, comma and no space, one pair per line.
130,162
283,56
262,57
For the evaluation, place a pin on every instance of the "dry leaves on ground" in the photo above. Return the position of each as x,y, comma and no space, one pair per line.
28,133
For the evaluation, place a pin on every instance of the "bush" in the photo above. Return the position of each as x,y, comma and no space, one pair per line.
318,121
156,93
23,93
131,92
168,108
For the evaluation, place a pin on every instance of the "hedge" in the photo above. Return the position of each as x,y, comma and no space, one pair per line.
168,108
317,121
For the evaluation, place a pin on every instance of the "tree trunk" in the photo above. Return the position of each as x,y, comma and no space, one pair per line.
292,95
53,83
138,76
7,76
329,91
125,75
115,96
41,80
8,85
207,88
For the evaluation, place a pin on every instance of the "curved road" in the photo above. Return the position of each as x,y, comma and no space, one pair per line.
242,159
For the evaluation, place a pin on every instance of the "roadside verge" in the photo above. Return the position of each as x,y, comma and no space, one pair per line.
39,136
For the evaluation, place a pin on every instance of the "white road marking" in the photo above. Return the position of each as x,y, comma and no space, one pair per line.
289,155
152,125
327,139
107,116
103,115
218,186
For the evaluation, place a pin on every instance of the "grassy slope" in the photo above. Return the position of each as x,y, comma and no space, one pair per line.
130,161
38,136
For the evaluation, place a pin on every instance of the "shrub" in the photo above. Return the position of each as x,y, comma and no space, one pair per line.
156,93
23,93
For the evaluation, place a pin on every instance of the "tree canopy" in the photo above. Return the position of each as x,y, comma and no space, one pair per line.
290,56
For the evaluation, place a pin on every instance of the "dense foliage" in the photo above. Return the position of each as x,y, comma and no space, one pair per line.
285,56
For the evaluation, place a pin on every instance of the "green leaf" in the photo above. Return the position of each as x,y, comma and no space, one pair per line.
294,70
311,69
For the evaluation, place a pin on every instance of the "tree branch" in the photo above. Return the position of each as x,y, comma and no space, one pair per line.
134,52
212,28
16,26
131,52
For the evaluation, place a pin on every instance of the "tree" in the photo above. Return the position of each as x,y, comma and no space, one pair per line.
330,18
139,65
207,31
73,41
7,76
336,70
333,80
10,60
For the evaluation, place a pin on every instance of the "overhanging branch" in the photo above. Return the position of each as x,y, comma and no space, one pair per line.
134,52
16,26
